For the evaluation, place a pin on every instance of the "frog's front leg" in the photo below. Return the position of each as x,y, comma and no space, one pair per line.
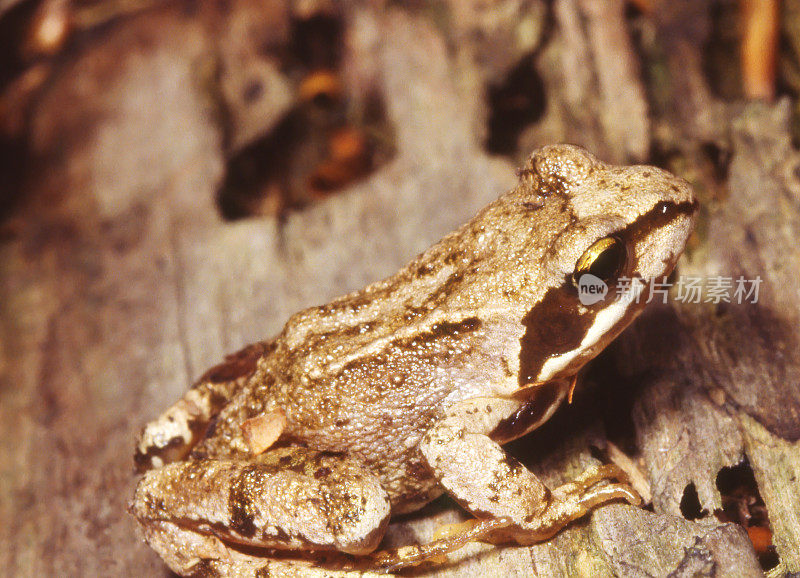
197,512
508,500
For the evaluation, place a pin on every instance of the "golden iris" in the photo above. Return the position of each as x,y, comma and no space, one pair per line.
605,259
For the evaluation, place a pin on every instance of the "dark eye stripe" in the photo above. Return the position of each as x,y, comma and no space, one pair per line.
554,326
662,213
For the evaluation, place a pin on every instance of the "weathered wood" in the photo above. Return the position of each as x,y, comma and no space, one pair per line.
122,283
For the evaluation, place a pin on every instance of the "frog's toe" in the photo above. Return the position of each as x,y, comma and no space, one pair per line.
603,472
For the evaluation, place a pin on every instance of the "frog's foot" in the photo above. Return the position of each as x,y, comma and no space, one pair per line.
567,503
595,487
435,551
207,512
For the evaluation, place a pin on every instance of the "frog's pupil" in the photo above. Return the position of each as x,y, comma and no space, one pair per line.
609,263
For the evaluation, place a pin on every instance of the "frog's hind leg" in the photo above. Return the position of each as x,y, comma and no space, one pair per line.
203,511
172,435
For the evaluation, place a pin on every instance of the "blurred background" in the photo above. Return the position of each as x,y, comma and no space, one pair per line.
177,177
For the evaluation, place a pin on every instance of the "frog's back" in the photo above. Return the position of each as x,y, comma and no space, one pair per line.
360,371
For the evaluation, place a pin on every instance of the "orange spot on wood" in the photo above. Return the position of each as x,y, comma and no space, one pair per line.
759,47
348,159
321,84
50,28
645,6
760,537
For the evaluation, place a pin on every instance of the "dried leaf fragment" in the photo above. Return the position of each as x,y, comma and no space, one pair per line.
262,431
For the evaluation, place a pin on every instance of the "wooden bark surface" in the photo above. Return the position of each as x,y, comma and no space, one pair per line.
120,283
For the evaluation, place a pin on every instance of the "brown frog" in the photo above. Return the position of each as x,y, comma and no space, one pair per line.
383,399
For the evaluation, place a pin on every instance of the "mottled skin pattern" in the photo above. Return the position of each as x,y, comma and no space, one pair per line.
408,386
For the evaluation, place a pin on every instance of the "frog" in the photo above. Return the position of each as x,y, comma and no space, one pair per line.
382,400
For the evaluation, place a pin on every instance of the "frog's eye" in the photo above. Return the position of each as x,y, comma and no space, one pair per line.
605,259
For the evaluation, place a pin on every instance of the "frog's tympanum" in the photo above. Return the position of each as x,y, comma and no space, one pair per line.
380,401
